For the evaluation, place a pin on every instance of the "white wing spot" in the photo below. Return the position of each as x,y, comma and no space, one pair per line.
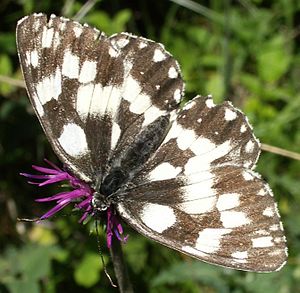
228,201
209,103
198,206
88,71
62,25
158,56
269,212
112,52
247,176
243,128
109,102
261,232
173,132
281,226
158,217
262,192
84,95
209,239
230,115
114,94
172,73
70,67
140,104
249,146
142,45
265,241
278,239
247,164
206,152
122,42
164,171
77,31
115,134
27,58
189,105
73,140
34,58
274,227
203,146
199,185
177,95
232,219
131,92
47,37
240,254
151,114
199,120
49,87
186,138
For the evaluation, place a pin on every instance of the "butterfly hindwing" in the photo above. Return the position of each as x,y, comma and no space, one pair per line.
198,194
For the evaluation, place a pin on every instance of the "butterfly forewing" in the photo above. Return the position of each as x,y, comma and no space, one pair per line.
110,105
93,94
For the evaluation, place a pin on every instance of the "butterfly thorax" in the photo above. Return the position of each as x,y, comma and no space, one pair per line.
127,164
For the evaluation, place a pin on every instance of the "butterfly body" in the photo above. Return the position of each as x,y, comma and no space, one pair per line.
180,176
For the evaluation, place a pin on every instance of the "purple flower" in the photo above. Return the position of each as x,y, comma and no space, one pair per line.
81,194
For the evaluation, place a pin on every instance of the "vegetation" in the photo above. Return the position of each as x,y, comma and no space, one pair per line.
244,51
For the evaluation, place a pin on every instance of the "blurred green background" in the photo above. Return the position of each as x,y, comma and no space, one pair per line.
245,51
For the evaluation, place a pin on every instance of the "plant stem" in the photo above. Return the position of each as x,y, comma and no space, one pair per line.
120,268
280,151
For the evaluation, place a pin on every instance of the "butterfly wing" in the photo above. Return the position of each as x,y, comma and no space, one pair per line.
198,194
93,94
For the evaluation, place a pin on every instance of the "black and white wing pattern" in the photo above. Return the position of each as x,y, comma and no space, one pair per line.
199,195
93,94
110,109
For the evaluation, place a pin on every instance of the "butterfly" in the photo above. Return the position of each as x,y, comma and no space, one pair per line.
181,176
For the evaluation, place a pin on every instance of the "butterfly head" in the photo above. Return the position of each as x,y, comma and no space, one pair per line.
100,202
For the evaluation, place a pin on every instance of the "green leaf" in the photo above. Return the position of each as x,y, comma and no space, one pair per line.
87,273
99,19
193,271
261,283
35,261
21,286
136,254
120,20
273,59
8,43
215,86
6,70
21,270
104,22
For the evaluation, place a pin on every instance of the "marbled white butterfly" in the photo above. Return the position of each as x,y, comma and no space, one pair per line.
180,176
